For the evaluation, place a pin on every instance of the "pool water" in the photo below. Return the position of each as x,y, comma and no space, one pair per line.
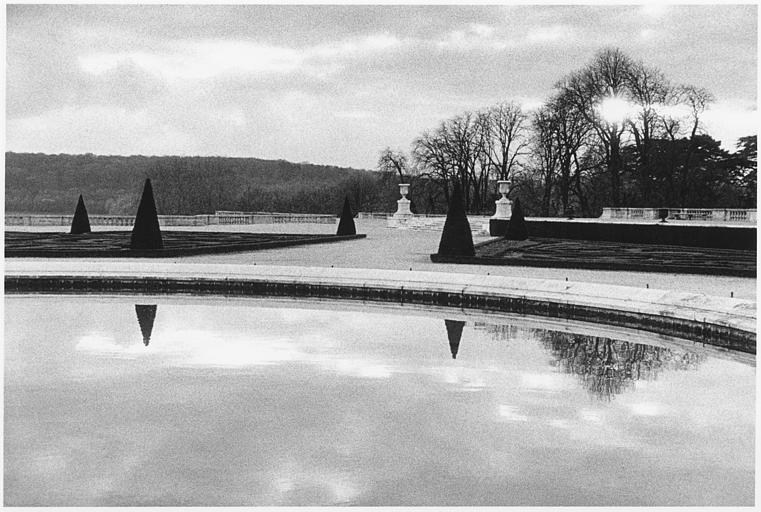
119,401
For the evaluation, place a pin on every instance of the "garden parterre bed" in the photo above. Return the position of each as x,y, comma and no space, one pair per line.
109,244
587,254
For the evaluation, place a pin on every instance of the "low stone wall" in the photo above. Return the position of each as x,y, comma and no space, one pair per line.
479,224
723,322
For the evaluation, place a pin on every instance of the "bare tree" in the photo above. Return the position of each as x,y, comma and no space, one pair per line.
453,152
684,108
432,160
546,152
393,161
648,91
607,76
696,100
506,139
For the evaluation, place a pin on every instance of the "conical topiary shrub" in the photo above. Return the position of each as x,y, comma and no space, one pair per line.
146,234
346,224
146,314
81,222
456,238
516,228
454,333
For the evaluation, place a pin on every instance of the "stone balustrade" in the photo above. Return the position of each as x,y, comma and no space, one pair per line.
733,215
234,217
219,217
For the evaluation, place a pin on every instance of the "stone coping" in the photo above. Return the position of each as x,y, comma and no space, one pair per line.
716,320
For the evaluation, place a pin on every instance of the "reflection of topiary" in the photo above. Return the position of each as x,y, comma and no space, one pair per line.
346,224
454,333
146,314
456,238
146,233
516,227
81,222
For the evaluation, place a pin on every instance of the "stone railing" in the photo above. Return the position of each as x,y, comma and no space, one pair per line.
106,220
220,217
372,215
232,217
733,215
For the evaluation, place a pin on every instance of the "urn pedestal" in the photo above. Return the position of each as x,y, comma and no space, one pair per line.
498,222
403,213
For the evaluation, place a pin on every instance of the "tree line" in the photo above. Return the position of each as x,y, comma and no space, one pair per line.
40,183
615,133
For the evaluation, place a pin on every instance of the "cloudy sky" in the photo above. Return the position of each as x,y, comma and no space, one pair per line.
334,85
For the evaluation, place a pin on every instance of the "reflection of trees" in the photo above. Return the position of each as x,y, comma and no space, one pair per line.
498,332
609,367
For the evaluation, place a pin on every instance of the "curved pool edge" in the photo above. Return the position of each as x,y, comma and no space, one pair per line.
725,322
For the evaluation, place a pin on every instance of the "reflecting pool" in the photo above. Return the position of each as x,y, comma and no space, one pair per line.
183,401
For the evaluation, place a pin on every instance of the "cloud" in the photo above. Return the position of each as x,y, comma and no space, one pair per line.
354,114
95,128
198,60
654,10
473,36
481,29
547,34
487,37
298,78
727,121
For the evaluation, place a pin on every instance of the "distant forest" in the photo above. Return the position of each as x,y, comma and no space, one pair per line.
39,183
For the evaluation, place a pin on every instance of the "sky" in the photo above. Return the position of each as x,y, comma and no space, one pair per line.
335,84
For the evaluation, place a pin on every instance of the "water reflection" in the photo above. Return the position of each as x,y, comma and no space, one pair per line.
454,333
146,314
298,406
498,332
608,367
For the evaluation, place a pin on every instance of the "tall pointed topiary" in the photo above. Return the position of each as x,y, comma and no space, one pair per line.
454,333
456,238
346,224
81,222
146,314
146,234
516,228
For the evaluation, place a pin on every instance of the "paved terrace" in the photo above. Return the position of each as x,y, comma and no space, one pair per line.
398,249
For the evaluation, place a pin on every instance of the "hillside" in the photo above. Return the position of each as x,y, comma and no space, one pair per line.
40,183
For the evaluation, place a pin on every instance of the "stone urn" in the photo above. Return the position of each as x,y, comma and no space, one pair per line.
403,204
504,205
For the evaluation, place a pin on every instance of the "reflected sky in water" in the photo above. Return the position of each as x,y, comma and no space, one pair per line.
235,403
